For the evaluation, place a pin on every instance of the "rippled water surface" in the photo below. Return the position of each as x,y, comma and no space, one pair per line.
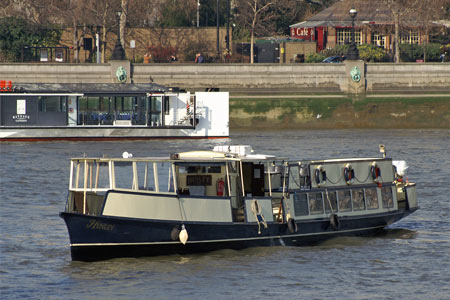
410,260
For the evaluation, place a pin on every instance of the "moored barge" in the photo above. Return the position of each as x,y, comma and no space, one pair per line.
227,198
37,112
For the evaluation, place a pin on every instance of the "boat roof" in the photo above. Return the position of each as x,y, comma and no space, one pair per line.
234,153
89,88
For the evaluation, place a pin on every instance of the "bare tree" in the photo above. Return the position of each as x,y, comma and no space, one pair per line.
251,14
424,12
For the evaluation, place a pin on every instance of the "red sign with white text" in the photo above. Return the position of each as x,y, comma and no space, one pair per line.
302,33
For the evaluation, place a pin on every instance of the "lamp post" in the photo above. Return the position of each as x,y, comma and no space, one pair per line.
198,13
353,53
218,36
118,53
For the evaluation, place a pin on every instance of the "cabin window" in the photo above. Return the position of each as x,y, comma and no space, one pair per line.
344,198
371,198
386,196
123,175
330,198
201,179
300,204
316,203
165,176
358,199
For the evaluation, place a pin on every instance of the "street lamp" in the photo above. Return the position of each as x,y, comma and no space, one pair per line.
218,36
353,53
198,13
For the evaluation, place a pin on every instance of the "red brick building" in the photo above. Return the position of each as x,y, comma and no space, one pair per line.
374,24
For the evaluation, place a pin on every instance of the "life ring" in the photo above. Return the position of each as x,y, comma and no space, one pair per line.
334,222
349,174
292,226
376,173
321,176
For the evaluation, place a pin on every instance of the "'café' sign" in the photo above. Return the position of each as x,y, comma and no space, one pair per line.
302,33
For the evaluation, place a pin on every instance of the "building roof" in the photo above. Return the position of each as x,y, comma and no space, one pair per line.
374,12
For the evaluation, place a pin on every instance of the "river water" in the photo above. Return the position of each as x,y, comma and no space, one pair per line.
410,260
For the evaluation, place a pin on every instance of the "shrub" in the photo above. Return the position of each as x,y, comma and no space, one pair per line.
161,54
413,52
314,58
338,50
372,53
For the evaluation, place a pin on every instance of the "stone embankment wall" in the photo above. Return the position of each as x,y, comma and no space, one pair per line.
310,78
272,96
343,112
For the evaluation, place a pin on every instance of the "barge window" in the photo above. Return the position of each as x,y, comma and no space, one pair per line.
316,203
52,104
330,198
300,204
386,196
371,198
358,199
166,105
344,198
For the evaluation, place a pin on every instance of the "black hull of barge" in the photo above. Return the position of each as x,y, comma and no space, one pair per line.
94,238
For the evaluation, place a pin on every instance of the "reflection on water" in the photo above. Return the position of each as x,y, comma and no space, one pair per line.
408,260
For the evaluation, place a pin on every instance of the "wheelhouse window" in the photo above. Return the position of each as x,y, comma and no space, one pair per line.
345,200
371,198
344,36
201,179
386,196
358,199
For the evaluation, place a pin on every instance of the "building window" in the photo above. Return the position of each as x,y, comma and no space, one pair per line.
344,36
379,40
409,37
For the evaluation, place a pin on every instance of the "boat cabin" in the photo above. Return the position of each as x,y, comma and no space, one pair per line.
349,187
102,105
199,186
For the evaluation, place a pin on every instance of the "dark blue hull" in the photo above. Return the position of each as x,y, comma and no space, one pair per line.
97,238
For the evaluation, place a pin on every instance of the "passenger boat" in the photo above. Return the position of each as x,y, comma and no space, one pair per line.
227,198
30,112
